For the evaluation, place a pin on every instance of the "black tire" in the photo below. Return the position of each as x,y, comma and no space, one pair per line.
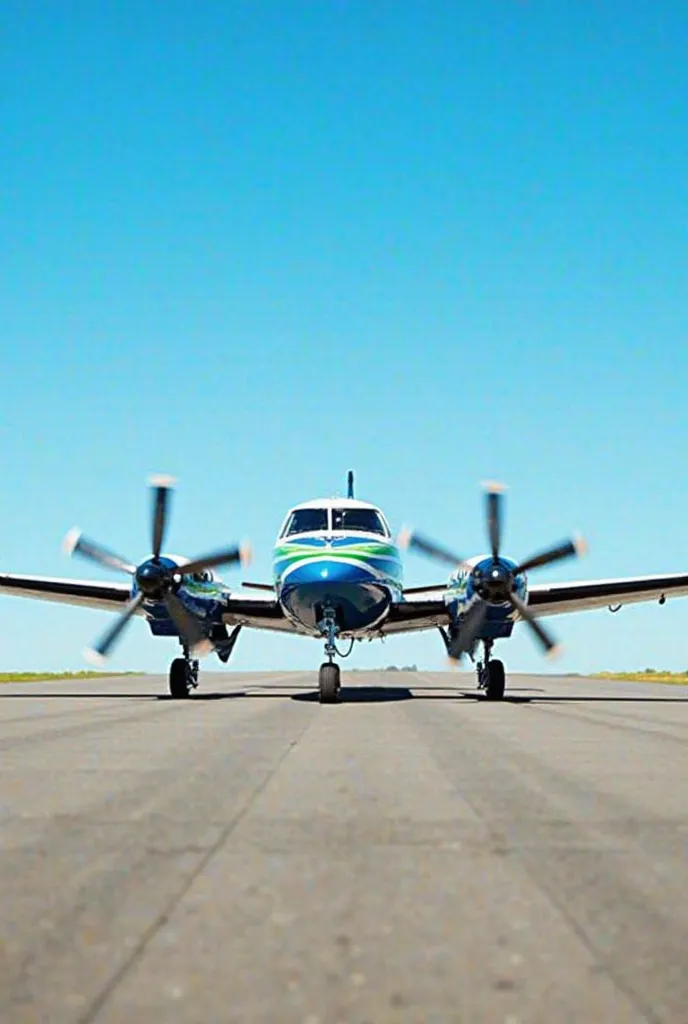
179,679
496,681
328,683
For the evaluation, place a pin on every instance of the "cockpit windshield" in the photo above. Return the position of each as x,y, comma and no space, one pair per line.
367,520
203,576
305,520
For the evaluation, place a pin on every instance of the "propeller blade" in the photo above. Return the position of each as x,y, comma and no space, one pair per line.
577,546
470,627
494,493
162,486
552,649
241,553
188,625
411,540
76,544
99,653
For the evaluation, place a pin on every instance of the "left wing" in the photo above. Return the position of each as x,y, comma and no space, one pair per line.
430,612
558,598
106,596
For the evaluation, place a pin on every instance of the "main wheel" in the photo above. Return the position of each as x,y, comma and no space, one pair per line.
496,680
179,679
328,683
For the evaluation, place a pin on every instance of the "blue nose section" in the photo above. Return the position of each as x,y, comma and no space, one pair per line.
359,599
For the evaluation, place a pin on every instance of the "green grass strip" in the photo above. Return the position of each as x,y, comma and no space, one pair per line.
675,678
30,677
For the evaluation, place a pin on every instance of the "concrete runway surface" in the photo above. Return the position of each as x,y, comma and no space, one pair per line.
412,854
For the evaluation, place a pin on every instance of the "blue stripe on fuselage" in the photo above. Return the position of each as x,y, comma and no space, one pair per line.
359,597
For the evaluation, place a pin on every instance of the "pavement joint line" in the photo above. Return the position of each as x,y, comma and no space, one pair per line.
551,895
92,719
622,723
161,920
105,722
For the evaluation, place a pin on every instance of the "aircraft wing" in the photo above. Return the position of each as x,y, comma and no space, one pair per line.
106,596
429,612
257,612
264,612
415,614
559,598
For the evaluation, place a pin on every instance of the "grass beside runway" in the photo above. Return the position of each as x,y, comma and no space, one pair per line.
676,678
31,677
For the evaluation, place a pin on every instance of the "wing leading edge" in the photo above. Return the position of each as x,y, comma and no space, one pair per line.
546,599
405,616
414,615
106,596
560,598
256,612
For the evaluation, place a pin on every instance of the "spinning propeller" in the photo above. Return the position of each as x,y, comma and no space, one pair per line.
156,579
494,581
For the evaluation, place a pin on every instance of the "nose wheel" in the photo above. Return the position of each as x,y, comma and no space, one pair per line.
329,683
491,675
183,677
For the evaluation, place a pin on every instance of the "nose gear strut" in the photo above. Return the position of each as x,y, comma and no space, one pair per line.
328,677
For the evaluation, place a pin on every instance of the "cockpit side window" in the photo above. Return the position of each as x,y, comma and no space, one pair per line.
305,520
365,520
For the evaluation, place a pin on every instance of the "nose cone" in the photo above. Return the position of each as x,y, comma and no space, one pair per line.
357,596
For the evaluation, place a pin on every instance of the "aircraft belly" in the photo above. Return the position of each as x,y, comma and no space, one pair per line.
358,606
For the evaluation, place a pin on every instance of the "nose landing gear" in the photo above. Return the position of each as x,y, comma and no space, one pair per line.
183,675
491,676
329,682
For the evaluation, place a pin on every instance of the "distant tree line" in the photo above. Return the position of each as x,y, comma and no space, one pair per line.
388,668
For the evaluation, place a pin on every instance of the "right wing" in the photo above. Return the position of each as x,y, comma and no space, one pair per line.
415,614
260,612
580,596
264,612
106,596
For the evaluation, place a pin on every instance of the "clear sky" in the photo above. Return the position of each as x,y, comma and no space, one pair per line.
254,244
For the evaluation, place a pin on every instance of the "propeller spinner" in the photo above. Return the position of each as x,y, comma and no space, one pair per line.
156,578
495,581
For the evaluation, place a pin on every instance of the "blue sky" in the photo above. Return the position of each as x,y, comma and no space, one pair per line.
254,244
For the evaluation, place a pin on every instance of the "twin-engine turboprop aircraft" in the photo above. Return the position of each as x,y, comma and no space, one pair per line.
337,576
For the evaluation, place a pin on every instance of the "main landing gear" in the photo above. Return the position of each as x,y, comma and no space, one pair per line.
329,682
183,676
491,677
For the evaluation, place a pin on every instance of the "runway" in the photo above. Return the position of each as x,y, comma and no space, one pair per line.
412,854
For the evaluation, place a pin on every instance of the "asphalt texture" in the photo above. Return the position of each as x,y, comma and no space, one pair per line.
411,854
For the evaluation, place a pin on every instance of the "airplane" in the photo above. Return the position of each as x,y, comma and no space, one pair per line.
337,576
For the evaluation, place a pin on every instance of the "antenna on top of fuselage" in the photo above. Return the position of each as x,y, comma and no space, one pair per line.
350,484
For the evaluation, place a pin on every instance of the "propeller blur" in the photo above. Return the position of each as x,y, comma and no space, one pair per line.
486,594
